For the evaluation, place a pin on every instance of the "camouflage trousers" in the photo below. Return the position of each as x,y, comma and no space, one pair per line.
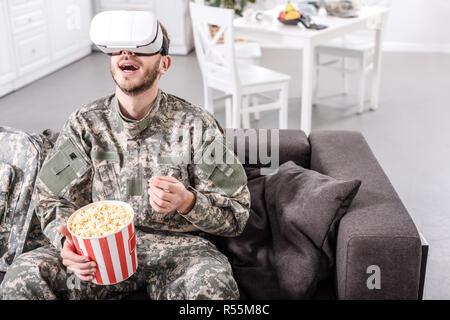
170,266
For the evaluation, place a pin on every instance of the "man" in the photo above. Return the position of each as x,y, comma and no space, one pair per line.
139,145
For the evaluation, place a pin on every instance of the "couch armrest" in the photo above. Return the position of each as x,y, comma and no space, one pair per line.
377,229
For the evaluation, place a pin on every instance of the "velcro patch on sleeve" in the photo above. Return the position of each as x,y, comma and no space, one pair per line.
65,166
222,167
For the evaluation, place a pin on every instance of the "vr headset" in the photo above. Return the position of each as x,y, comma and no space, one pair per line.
137,31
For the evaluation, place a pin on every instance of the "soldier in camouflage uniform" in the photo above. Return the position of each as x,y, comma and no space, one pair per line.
170,162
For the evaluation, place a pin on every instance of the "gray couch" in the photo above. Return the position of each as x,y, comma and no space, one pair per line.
377,229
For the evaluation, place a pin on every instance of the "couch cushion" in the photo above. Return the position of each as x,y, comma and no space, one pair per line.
288,244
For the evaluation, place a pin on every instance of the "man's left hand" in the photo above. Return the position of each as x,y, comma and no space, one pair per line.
167,194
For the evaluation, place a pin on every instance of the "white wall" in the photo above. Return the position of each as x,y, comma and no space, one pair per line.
413,25
418,25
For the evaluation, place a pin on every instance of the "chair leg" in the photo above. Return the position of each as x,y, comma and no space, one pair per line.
236,114
362,85
362,90
228,112
254,101
283,115
344,75
316,79
245,113
208,99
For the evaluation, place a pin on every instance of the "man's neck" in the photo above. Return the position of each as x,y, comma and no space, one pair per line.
136,107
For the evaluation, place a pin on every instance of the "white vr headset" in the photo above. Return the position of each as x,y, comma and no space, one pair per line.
136,31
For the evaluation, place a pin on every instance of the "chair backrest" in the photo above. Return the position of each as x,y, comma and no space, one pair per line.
217,61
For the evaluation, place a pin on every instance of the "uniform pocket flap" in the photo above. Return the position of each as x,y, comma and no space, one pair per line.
58,163
105,155
135,187
74,156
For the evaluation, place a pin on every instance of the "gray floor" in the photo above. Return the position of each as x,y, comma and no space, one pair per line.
408,133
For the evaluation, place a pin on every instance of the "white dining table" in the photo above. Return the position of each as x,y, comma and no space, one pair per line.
275,34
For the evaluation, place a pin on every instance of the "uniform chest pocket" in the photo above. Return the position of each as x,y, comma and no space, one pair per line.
169,171
165,166
106,182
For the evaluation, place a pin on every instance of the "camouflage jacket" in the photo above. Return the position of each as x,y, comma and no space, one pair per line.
100,155
21,156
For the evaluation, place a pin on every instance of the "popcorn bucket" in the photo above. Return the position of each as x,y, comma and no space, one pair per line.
115,254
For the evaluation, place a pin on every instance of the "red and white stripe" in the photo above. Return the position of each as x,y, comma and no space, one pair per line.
115,255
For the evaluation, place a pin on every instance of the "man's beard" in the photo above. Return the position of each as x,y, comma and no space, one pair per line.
147,81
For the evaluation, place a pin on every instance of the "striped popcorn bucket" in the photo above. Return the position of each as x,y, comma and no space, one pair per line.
114,254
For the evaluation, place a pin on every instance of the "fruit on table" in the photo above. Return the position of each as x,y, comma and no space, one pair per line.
290,12
290,7
292,15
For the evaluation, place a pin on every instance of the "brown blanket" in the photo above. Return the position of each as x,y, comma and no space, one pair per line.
288,244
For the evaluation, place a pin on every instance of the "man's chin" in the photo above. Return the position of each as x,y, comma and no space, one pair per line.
128,85
136,85
128,81
134,90
130,91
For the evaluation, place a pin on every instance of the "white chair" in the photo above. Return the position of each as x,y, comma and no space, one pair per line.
246,51
360,46
342,50
220,70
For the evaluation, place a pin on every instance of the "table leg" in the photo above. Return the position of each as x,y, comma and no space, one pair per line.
307,86
379,35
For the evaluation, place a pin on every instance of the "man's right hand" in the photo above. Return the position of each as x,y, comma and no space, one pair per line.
82,266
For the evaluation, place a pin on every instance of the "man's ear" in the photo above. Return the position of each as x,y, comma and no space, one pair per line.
165,64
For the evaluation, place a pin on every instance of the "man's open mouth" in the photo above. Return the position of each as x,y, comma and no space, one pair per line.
128,67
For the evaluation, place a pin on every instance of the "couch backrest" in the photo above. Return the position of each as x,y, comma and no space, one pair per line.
260,144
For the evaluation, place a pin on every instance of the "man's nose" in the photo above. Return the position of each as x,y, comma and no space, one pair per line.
127,52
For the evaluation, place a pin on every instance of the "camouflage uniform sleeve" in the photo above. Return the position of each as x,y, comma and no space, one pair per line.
64,181
219,183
